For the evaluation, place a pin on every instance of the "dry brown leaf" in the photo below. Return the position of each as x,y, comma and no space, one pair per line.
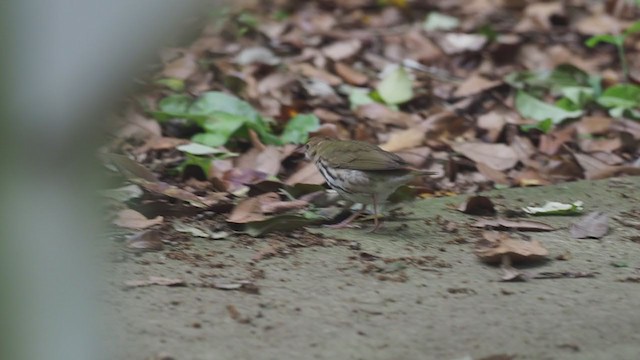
137,126
155,280
172,191
456,43
277,207
600,145
493,122
600,24
350,75
494,246
474,85
274,82
537,16
132,219
497,156
160,143
383,115
327,115
313,72
506,224
145,241
594,125
416,156
405,139
181,68
267,161
308,174
593,225
342,50
250,210
592,167
552,142
492,174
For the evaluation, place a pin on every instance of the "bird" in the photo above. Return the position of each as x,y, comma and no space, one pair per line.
360,172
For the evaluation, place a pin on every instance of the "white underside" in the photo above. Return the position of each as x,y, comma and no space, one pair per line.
381,186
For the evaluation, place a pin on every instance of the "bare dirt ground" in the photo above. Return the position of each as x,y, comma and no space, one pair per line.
414,290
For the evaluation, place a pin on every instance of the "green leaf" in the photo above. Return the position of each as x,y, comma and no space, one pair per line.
171,107
579,95
436,21
359,96
224,125
298,128
545,126
625,96
209,139
396,87
561,77
219,102
199,149
202,162
617,40
532,108
556,208
634,28
489,32
171,83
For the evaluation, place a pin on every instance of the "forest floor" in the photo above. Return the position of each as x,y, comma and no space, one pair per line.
412,290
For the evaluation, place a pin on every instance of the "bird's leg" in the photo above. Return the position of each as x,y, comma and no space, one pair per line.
376,220
346,222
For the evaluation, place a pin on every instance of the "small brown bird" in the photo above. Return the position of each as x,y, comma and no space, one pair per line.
360,172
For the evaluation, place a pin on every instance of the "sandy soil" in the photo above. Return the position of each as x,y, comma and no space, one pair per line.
414,290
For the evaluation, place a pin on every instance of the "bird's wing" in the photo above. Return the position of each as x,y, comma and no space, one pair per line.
364,156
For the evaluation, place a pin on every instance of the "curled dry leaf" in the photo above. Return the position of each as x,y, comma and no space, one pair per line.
251,209
132,219
382,114
506,224
475,85
495,246
155,280
478,205
308,174
492,174
341,50
405,139
266,161
278,207
593,225
145,241
456,43
173,192
497,156
181,68
350,75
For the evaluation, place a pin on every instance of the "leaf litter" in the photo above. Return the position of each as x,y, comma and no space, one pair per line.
237,100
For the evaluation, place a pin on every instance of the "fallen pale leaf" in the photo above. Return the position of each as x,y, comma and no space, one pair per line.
497,156
593,225
494,246
405,139
132,219
555,208
522,225
145,241
474,85
155,280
